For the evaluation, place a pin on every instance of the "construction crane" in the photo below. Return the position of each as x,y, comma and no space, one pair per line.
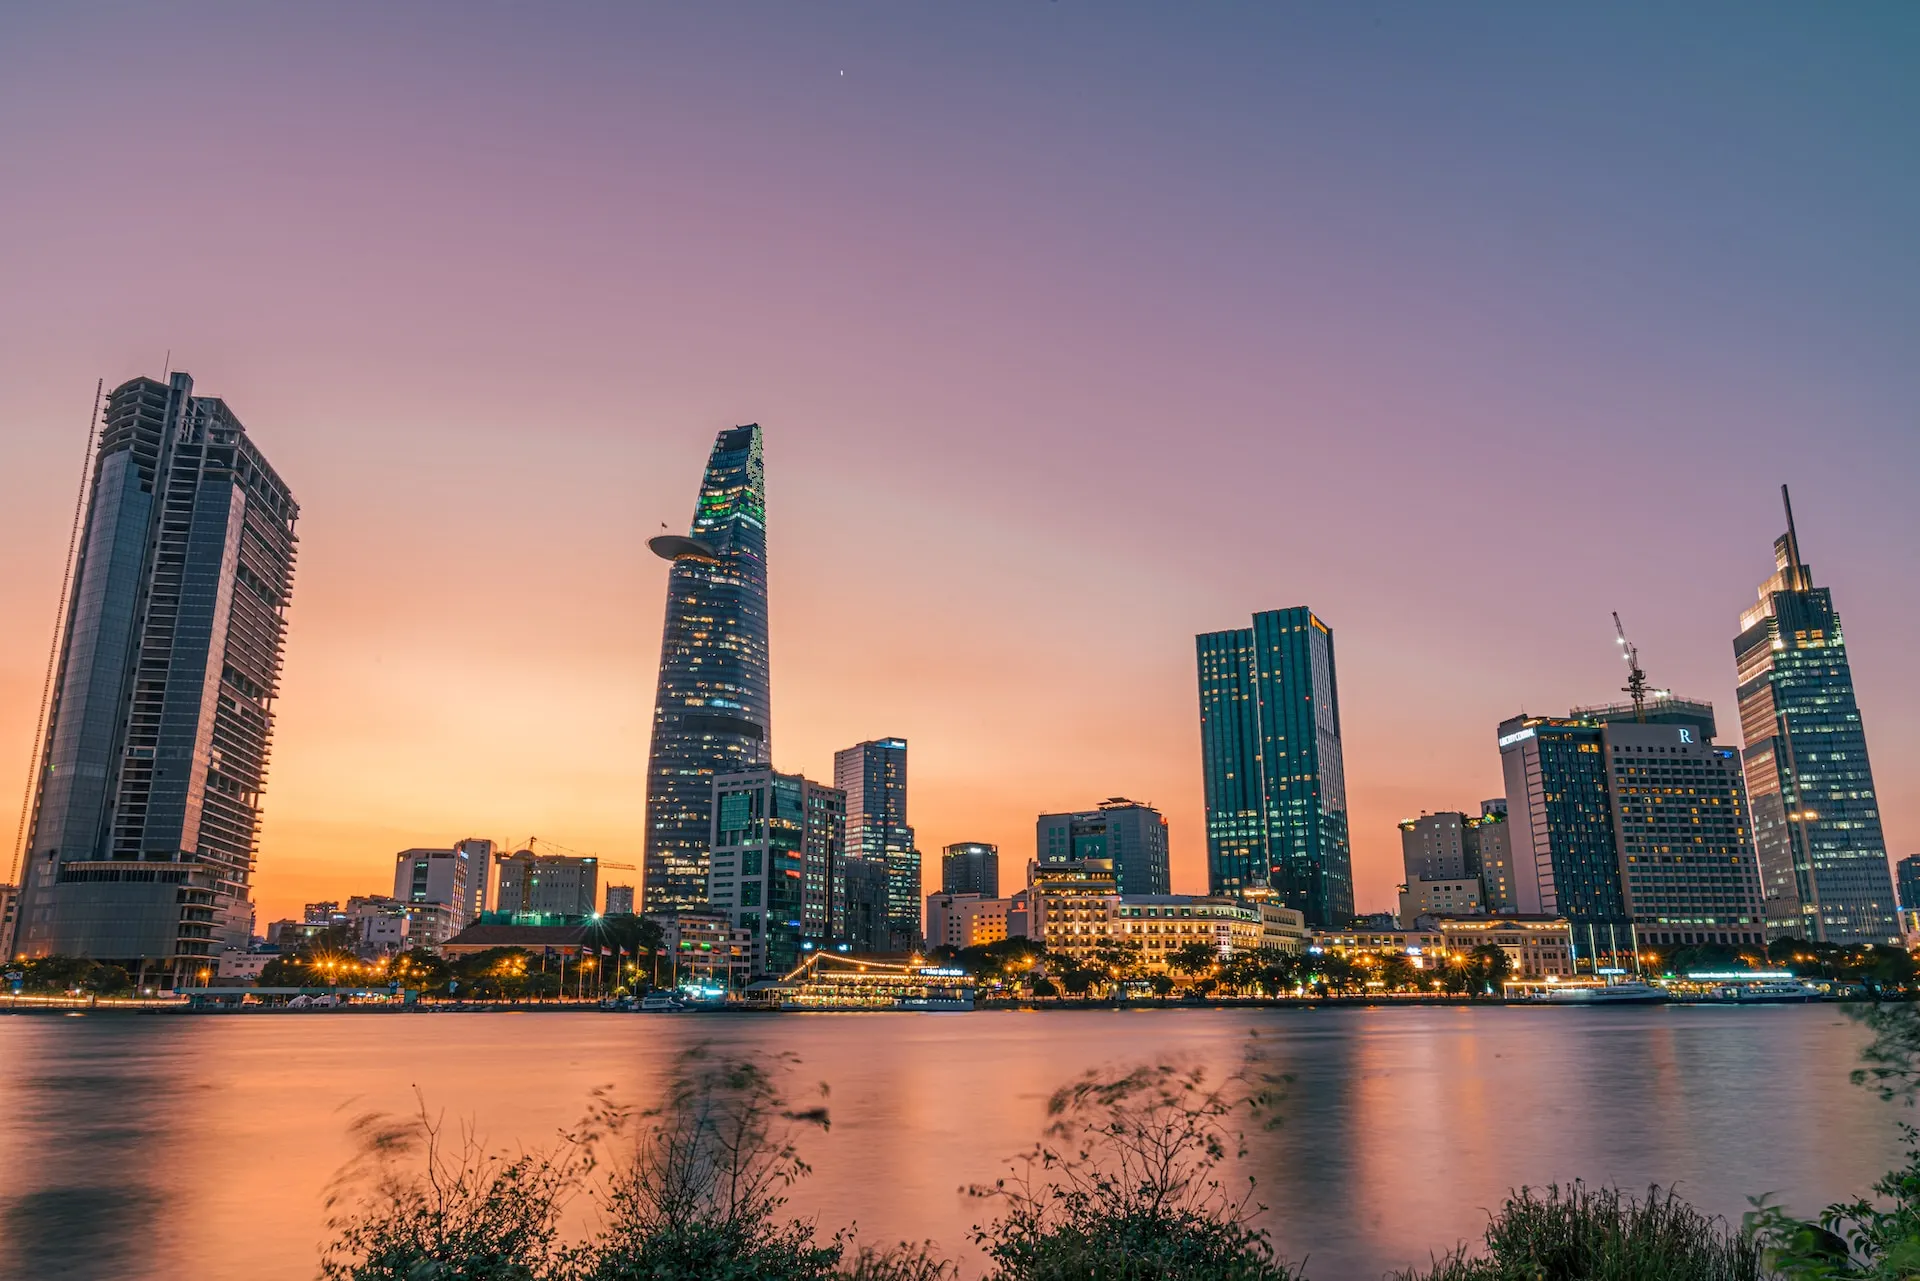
1636,686
554,847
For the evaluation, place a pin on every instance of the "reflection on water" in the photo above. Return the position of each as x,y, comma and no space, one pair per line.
175,1147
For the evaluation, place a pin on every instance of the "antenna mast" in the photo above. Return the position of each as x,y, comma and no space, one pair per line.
1636,686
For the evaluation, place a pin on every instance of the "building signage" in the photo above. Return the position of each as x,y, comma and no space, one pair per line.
1508,740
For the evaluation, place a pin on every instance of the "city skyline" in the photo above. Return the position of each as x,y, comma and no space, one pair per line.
1394,337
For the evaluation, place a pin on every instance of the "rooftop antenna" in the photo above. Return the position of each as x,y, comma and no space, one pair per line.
1793,544
1636,686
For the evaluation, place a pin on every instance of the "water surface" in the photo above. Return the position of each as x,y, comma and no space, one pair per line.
175,1148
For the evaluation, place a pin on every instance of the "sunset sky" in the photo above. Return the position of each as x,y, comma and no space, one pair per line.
1075,328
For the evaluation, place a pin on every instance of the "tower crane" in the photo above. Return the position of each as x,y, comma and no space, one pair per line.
1636,686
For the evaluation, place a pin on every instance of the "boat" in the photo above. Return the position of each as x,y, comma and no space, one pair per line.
1768,992
935,1002
660,1003
1627,992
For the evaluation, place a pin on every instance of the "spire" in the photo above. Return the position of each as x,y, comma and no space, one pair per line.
1795,567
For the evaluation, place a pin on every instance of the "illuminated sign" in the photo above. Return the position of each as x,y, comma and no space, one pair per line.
1509,740
1686,735
1728,976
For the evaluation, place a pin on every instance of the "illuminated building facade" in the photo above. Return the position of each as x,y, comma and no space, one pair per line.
1816,814
873,775
713,711
969,867
1565,860
775,840
1131,836
1274,765
146,813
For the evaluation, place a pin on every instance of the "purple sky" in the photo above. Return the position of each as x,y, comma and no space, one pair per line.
1076,329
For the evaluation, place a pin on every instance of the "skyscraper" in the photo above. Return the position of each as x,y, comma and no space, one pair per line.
713,711
1132,836
873,774
147,810
1275,773
970,867
775,840
1816,817
1632,825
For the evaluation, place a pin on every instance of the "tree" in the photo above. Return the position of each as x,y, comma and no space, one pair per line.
1241,972
1396,972
1279,971
1193,959
419,970
1162,985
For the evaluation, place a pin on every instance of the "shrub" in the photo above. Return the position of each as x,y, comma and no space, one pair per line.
464,1215
1125,1186
1578,1234
1874,1238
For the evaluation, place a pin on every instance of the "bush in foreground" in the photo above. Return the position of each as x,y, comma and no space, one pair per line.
1125,1184
1581,1234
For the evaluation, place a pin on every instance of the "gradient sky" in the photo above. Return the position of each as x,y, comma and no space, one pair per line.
1075,328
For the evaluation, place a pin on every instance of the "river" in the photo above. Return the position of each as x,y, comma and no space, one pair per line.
173,1147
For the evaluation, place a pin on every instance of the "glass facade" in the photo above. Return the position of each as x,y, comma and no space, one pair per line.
873,774
1274,767
147,811
1816,817
1131,836
713,712
775,839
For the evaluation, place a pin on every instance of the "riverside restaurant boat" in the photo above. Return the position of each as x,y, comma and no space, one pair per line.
836,981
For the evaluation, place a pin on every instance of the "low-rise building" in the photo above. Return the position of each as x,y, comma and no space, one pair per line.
965,920
619,900
1419,946
1282,929
1161,924
561,940
382,925
704,949
1454,896
245,967
1070,905
1536,946
531,884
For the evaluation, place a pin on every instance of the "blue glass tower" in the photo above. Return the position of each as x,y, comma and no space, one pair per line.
1816,817
1274,769
146,813
712,714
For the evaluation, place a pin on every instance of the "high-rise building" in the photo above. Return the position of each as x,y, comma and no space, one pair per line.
479,895
1131,836
1490,841
1816,815
1433,847
713,712
1908,882
1441,861
440,876
873,774
9,901
1565,861
969,867
1274,767
1682,837
1633,827
146,816
619,900
862,906
775,841
533,884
